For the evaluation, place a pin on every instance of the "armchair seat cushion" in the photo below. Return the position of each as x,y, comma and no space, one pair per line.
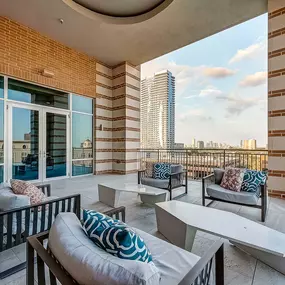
248,198
172,262
89,264
158,183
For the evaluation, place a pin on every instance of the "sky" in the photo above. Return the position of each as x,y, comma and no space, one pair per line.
221,85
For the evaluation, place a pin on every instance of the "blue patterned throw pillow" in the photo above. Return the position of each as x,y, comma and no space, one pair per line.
115,237
252,180
161,170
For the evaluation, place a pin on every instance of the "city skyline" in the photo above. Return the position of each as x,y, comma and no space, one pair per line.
221,85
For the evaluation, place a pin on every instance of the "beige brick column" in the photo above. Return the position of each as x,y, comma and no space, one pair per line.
276,97
126,118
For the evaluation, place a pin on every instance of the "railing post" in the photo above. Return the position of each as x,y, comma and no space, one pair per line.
224,158
158,155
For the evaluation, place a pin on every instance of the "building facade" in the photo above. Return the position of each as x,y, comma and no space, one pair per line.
158,111
62,112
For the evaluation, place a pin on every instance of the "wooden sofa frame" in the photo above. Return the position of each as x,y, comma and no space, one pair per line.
212,261
33,223
263,197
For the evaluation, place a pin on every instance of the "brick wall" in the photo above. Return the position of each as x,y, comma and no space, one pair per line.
24,53
276,97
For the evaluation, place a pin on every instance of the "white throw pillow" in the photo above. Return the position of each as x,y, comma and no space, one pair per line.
10,201
90,265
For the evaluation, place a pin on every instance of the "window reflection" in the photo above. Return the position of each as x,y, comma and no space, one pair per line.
1,131
25,92
1,87
81,136
81,167
82,104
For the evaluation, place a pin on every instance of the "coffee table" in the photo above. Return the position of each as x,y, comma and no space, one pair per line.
179,221
109,193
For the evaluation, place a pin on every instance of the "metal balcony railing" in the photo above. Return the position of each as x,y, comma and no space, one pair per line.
201,162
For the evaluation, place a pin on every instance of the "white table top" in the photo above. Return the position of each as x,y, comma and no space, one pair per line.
133,187
227,225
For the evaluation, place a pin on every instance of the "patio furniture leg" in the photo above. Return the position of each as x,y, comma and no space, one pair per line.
108,196
263,203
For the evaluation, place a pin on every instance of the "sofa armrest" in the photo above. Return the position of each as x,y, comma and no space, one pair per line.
201,272
46,189
118,213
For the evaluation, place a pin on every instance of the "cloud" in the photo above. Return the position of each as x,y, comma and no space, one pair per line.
218,72
250,52
253,80
207,91
237,104
190,115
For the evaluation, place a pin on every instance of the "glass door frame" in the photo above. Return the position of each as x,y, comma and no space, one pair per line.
46,110
42,139
10,106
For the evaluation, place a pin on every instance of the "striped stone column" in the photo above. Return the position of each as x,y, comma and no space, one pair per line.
126,118
103,116
276,97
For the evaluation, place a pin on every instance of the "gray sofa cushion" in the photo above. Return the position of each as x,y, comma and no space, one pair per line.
158,183
176,168
172,262
216,191
90,265
218,174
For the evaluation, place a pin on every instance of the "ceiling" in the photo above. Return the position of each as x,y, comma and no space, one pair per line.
136,39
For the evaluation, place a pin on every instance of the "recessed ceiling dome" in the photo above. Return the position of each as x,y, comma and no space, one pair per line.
120,8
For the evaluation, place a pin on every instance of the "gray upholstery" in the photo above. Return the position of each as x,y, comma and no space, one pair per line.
158,183
176,168
218,174
248,198
172,262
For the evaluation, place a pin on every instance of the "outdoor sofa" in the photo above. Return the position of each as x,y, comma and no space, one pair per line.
72,258
177,179
17,224
211,190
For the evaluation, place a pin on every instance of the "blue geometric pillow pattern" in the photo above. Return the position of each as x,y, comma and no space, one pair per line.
115,237
252,180
161,170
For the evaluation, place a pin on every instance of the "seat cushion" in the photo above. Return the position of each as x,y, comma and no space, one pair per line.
172,262
175,168
90,265
115,237
218,174
158,183
216,191
232,178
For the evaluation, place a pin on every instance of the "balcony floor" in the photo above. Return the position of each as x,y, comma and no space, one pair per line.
240,268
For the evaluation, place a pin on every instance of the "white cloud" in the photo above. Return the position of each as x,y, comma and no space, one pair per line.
218,72
250,52
207,91
198,114
237,104
256,79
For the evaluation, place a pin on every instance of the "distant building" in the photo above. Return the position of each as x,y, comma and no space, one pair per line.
158,111
249,144
179,145
200,144
193,143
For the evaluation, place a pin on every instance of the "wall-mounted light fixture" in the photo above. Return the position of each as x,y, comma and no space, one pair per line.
100,127
47,73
